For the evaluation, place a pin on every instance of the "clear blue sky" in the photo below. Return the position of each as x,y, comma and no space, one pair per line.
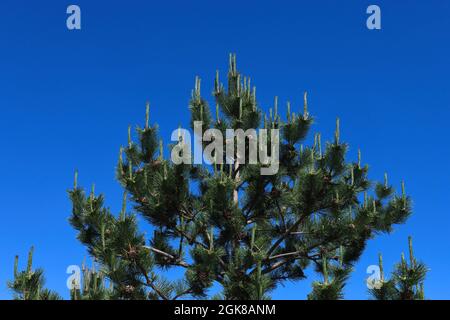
67,97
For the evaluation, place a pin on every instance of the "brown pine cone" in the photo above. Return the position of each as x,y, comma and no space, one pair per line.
132,253
129,289
143,200
202,276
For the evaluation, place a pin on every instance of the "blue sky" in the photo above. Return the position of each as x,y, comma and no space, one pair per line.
67,97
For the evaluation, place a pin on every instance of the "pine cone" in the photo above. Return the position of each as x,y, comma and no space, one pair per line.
202,276
143,200
129,289
132,253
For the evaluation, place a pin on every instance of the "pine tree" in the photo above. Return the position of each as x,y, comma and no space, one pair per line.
406,282
29,284
225,223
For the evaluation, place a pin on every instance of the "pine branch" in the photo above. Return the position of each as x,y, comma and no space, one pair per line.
284,235
175,260
151,283
283,255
